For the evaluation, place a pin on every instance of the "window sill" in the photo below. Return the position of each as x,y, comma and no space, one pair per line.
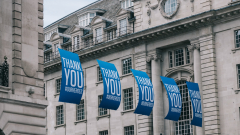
58,126
57,94
234,2
97,83
5,89
80,121
103,116
235,49
123,112
126,75
176,67
237,91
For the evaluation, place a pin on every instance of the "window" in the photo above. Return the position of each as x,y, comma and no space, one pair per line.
187,56
179,57
47,56
170,7
101,111
170,59
183,126
99,74
49,34
58,85
76,42
98,35
80,111
237,38
127,65
129,130
56,49
123,27
103,132
109,35
126,3
60,115
128,99
238,74
86,19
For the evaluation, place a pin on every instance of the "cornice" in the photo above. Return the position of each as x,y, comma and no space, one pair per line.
184,25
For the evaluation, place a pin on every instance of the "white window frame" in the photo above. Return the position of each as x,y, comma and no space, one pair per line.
126,3
85,19
98,37
80,111
57,114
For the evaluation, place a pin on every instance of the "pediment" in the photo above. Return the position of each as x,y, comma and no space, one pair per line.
122,11
54,36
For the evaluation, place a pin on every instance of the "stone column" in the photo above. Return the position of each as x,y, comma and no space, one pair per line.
158,115
195,50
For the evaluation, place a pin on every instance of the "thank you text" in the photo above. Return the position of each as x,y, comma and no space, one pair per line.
112,86
72,84
146,93
174,98
195,96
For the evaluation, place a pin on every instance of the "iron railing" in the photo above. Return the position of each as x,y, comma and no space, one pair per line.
4,71
88,42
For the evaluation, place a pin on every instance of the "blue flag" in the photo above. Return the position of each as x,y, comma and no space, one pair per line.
146,93
72,84
196,103
112,86
174,98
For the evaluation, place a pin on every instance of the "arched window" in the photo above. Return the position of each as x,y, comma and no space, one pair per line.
170,7
183,126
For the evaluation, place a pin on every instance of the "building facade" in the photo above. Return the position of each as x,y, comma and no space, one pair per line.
22,100
186,40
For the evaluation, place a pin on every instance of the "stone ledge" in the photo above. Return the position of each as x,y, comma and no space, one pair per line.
58,126
57,94
5,89
132,110
103,116
80,121
129,74
99,82
235,49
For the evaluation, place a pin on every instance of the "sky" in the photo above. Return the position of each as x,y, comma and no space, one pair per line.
56,9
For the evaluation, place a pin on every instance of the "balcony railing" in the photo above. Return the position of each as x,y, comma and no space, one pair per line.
89,42
4,71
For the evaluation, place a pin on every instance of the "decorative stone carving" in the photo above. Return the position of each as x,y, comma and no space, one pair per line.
192,8
148,5
162,7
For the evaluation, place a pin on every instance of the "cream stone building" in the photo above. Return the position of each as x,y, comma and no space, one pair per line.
187,40
22,100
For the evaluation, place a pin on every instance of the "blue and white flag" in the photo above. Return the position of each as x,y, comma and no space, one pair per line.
174,98
146,93
196,103
72,84
112,86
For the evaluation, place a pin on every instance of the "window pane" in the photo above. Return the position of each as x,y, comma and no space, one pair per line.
128,99
80,111
170,60
127,65
103,132
179,57
98,35
101,111
58,85
129,130
170,6
123,26
92,15
187,56
237,38
99,74
183,126
59,115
